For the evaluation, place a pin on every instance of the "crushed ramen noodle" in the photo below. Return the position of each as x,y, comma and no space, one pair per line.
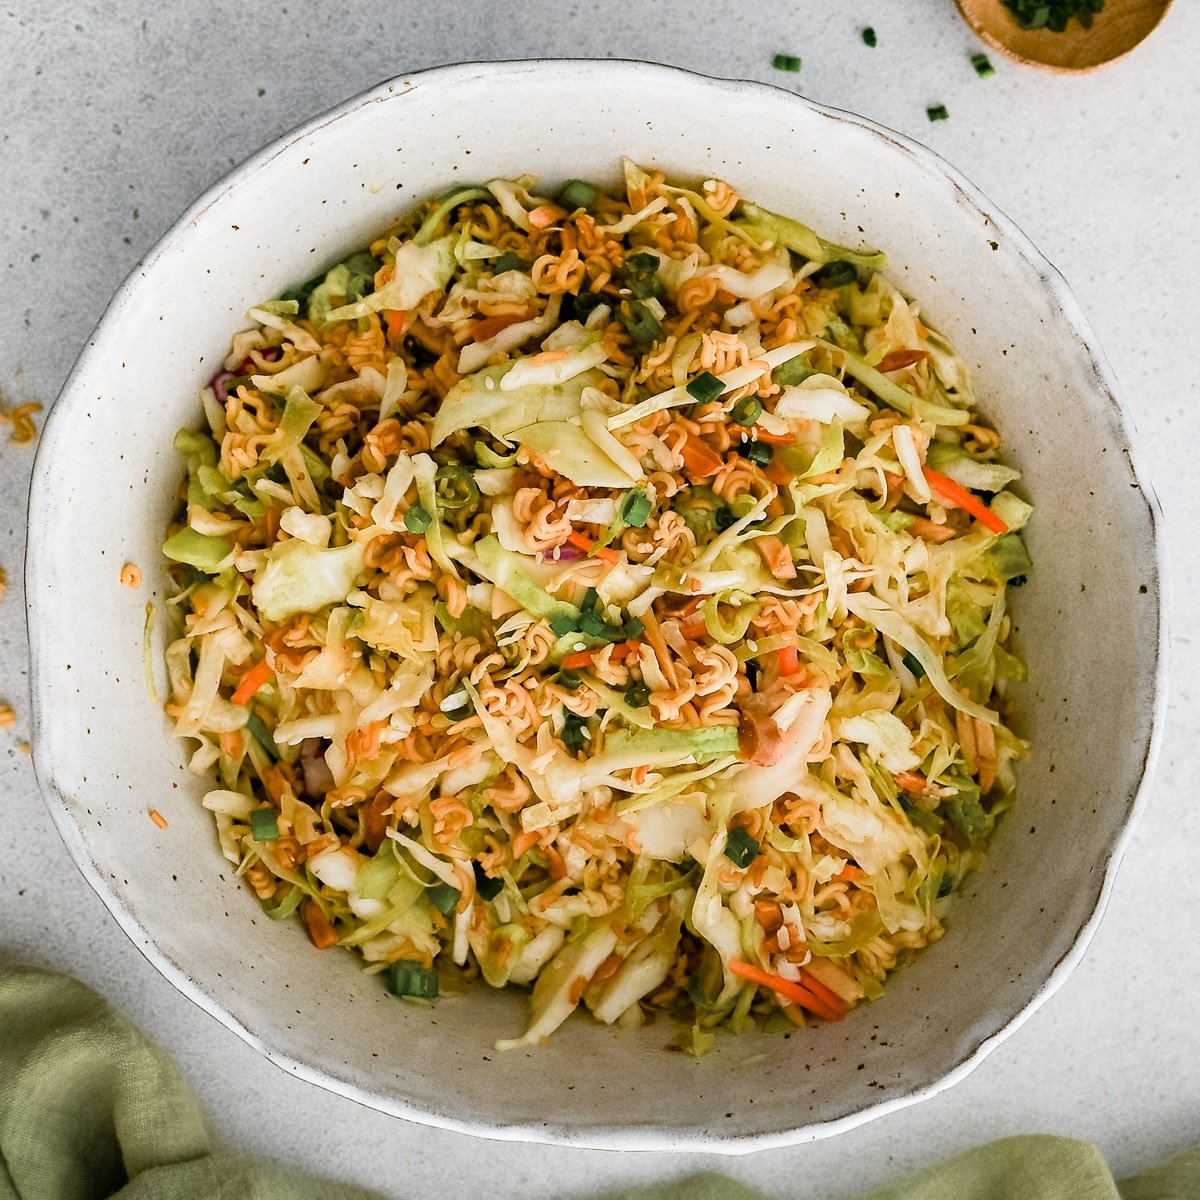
603,595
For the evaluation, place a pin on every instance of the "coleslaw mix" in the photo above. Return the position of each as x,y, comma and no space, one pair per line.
604,594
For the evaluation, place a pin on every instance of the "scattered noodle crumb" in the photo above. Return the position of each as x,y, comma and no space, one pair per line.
131,575
24,431
8,718
3,583
158,818
23,747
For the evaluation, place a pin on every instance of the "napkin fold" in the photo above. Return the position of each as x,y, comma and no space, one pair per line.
91,1109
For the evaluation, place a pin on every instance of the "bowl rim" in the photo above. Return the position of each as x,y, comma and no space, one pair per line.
609,1136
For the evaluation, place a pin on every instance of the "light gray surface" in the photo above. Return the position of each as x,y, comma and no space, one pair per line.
111,125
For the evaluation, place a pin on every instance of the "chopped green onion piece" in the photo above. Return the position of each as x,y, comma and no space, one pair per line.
261,734
868,36
835,274
264,825
415,979
740,848
635,508
590,601
786,62
705,387
724,517
487,887
574,732
914,666
640,273
633,628
937,112
747,410
443,897
577,194
792,372
561,626
583,304
757,452
637,695
983,68
640,323
592,623
417,520
571,680
286,907
456,487
509,261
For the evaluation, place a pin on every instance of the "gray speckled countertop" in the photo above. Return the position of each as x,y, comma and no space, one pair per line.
111,123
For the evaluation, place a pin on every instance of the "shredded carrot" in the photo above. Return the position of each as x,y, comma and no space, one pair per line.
693,633
157,818
773,439
911,782
582,658
607,554
796,992
320,929
775,509
558,867
623,650
777,557
850,873
823,991
952,493
900,358
789,660
581,541
700,459
397,322
545,215
776,472
251,682
490,326
638,775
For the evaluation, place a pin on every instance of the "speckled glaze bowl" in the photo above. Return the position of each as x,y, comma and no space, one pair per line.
104,486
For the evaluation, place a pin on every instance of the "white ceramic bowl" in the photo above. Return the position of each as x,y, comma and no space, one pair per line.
1089,620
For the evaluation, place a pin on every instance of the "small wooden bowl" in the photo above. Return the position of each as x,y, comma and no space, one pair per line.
1114,33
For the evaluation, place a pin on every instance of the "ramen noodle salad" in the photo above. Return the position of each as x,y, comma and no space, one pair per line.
605,595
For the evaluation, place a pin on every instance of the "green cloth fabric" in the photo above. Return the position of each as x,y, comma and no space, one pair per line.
91,1109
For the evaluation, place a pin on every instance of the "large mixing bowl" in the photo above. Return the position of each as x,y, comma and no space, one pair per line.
1089,621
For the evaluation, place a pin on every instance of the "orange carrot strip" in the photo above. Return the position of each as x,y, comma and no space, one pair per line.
582,658
776,472
773,439
157,818
950,491
849,873
911,782
251,682
700,458
900,358
607,554
397,322
320,929
623,650
823,991
545,215
795,992
789,660
693,633
581,541
638,775
490,326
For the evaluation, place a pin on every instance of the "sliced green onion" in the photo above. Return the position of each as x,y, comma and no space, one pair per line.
415,979
937,112
577,194
561,626
443,897
417,520
574,732
786,62
983,68
792,372
868,36
635,508
705,388
584,304
746,411
637,695
261,734
724,517
633,628
640,323
264,825
509,261
456,487
740,848
835,274
757,452
571,680
487,887
640,274
914,666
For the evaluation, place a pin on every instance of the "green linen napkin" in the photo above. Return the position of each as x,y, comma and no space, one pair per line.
91,1109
